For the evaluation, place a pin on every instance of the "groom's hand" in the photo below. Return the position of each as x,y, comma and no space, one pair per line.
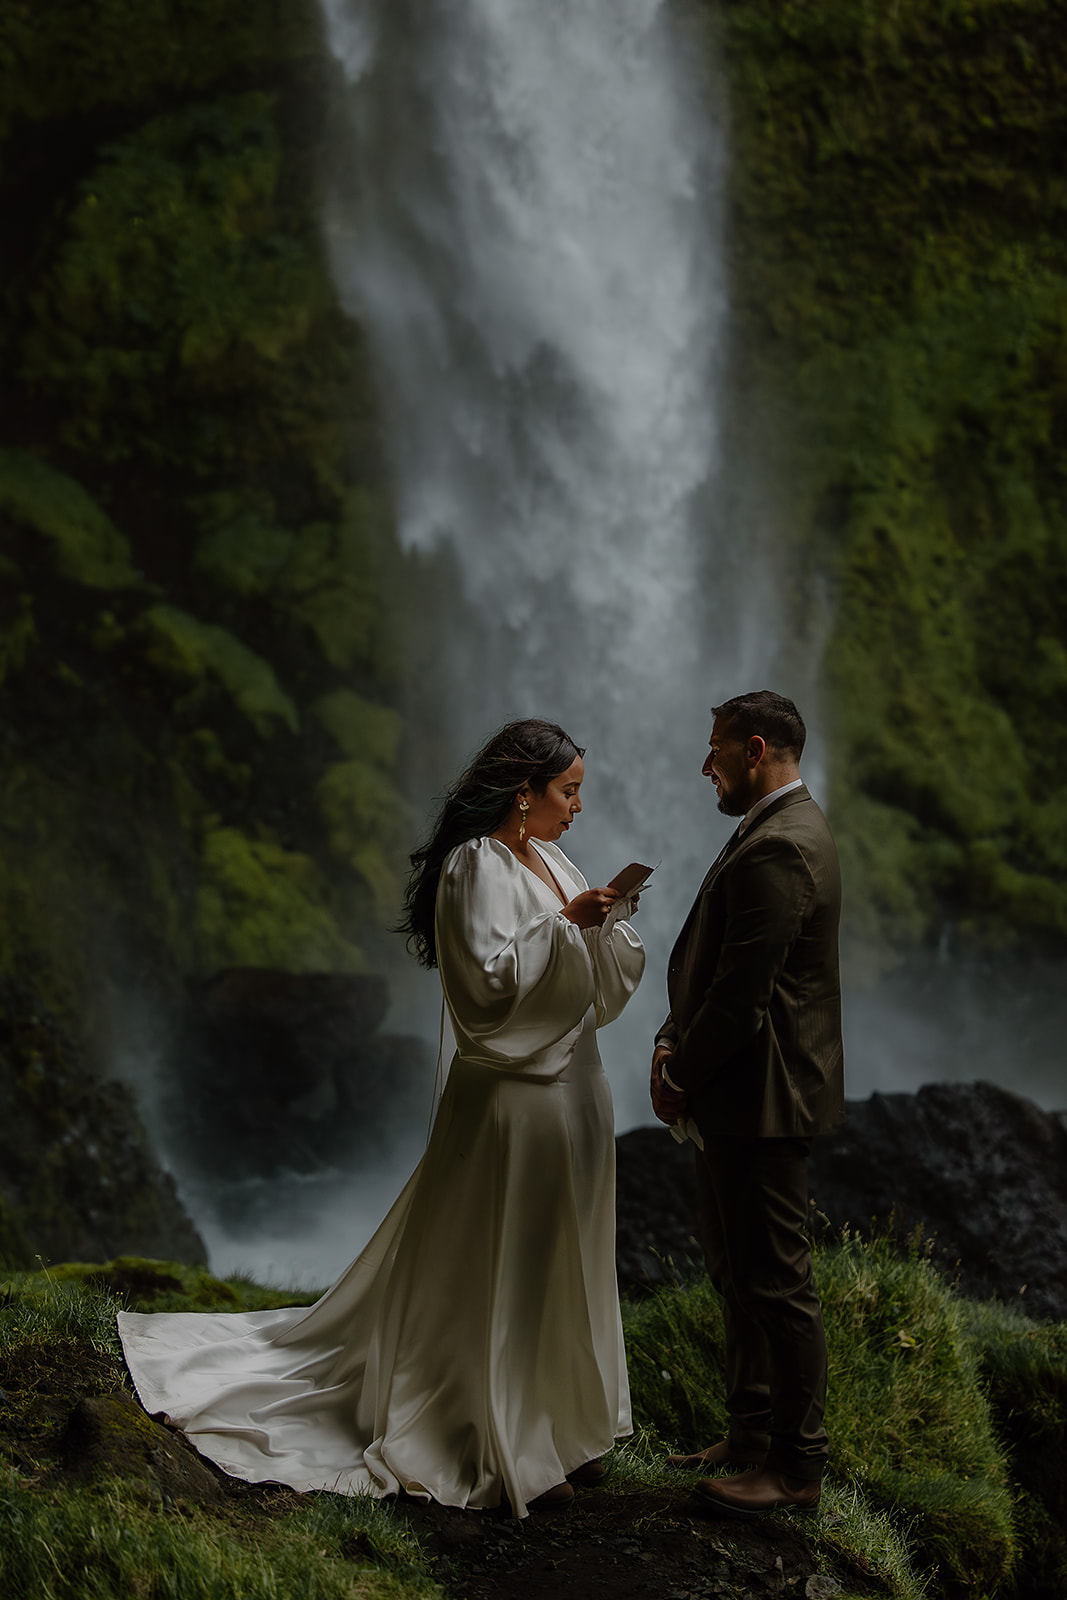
669,1104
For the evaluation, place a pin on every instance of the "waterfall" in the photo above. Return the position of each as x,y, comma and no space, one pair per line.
524,210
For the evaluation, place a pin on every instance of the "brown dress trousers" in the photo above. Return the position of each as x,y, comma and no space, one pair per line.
755,1031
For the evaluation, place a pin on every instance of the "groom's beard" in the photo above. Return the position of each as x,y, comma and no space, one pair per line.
731,804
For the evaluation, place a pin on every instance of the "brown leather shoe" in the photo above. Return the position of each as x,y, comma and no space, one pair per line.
755,1493
717,1456
588,1475
554,1499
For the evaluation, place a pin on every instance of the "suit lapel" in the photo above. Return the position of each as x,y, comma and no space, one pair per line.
709,878
737,838
719,859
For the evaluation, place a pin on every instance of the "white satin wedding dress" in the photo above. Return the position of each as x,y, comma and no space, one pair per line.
474,1348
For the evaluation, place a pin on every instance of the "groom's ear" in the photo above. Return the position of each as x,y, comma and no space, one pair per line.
756,749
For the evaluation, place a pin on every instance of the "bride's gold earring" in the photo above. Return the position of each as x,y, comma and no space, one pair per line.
524,806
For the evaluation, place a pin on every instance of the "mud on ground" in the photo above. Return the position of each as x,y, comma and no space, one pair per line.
619,1544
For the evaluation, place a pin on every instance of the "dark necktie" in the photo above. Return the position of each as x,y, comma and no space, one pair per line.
721,857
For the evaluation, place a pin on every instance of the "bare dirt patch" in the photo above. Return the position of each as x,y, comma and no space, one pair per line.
622,1545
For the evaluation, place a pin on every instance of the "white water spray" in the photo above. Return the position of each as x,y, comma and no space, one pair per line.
525,217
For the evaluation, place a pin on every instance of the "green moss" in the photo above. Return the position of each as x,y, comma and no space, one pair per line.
190,651
901,295
346,581
89,549
15,1248
178,287
364,732
106,852
964,1529
83,55
1024,1365
97,1290
259,905
18,635
78,1544
242,549
107,633
908,1415
203,751
168,322
364,817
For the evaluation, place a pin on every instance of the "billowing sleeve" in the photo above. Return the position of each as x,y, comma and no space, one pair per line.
517,980
618,958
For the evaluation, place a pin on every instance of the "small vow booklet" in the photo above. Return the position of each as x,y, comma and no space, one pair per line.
630,881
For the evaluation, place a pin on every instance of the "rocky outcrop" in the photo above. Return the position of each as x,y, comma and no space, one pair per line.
655,1207
982,1172
279,1071
109,1436
78,1179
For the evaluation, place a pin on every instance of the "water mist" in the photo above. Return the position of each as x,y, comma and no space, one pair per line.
525,216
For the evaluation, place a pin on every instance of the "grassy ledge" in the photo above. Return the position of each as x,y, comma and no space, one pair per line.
949,1420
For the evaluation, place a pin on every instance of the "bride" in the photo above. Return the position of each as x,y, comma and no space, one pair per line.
473,1352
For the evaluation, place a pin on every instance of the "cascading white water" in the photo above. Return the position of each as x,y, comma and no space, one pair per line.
526,218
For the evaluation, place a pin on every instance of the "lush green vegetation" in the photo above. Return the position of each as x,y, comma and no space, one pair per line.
899,224
932,1400
197,542
201,619
64,1537
949,1421
200,614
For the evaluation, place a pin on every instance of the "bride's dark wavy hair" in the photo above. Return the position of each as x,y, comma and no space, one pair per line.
477,804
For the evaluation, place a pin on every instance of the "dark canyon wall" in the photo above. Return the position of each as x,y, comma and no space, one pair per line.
899,262
200,618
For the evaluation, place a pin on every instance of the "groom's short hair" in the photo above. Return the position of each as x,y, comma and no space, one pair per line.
770,716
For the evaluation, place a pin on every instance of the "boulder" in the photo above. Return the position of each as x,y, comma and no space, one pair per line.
280,1071
78,1178
655,1207
982,1172
110,1436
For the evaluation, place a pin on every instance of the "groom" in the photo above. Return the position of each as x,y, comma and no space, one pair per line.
749,1062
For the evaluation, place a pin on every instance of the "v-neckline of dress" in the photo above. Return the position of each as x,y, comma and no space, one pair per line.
557,891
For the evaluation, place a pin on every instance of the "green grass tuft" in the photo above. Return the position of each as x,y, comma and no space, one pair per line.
38,1308
80,1545
917,1454
948,1421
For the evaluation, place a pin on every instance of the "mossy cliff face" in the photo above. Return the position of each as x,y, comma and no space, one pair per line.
199,635
900,281
76,1170
200,650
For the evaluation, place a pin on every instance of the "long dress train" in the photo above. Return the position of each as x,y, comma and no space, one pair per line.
474,1347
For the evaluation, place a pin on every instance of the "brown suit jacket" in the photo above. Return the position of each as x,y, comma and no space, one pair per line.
754,984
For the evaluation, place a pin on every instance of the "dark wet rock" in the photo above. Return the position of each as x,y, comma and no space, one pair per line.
278,1071
655,1202
78,1178
982,1171
111,1436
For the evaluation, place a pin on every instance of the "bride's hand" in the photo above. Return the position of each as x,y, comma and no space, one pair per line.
589,908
